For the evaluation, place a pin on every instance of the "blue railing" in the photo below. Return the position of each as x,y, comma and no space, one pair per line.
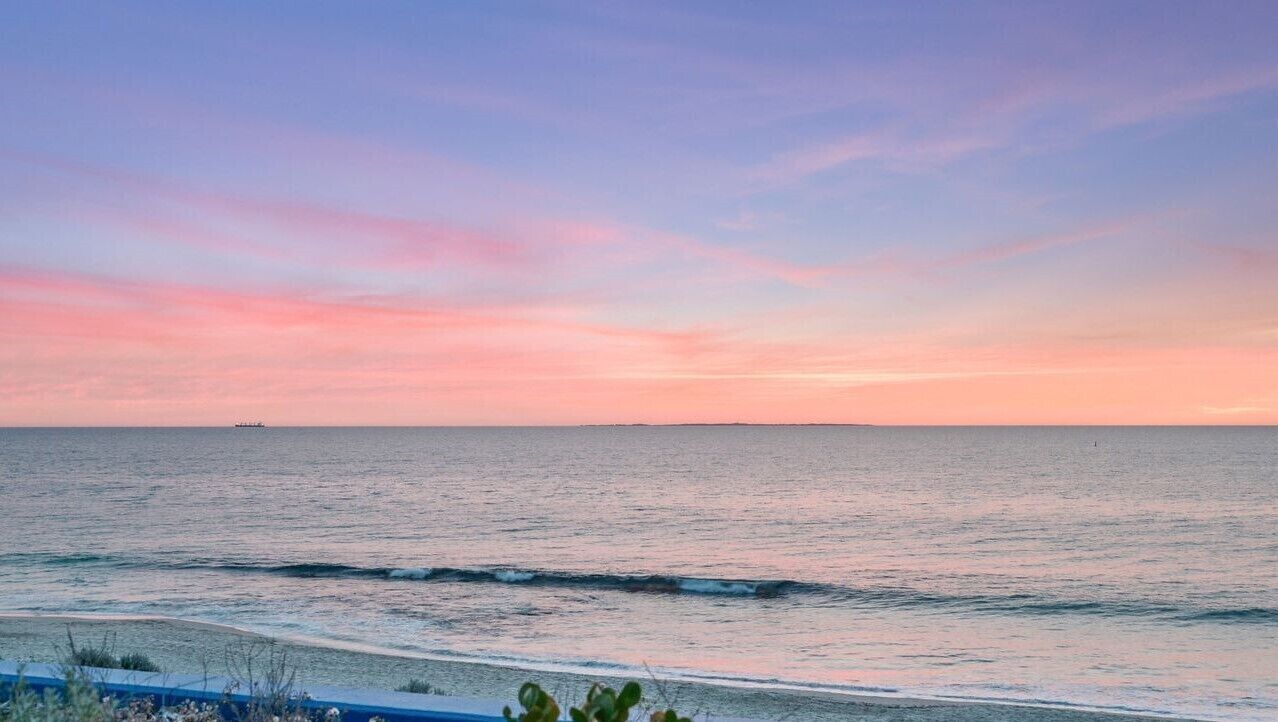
356,705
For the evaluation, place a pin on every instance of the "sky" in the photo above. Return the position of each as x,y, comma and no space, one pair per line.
561,213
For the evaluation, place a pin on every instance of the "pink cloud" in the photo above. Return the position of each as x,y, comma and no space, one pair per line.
896,262
296,230
293,229
1010,249
274,309
884,146
304,232
273,142
1186,97
1243,258
87,349
955,126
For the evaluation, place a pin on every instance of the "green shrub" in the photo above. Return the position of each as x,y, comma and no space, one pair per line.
77,701
91,657
418,686
137,663
603,704
538,706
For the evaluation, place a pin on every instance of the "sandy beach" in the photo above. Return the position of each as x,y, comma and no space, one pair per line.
194,647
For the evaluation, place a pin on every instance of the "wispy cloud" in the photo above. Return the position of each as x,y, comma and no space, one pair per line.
846,379
887,148
1010,249
380,238
898,262
1193,97
1236,410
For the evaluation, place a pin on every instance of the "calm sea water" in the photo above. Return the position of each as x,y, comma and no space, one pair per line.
1121,568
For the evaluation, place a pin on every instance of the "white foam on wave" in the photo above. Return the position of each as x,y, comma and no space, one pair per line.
413,573
511,576
714,586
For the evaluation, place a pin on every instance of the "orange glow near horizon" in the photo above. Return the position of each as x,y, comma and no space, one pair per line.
91,351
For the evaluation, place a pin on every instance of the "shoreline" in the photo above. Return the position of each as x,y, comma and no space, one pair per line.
191,646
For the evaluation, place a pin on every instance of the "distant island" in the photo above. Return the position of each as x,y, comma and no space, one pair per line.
724,423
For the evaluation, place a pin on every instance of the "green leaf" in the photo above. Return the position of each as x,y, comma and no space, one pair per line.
606,701
528,694
630,694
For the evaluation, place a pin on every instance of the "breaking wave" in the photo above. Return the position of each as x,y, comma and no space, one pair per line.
657,583
868,597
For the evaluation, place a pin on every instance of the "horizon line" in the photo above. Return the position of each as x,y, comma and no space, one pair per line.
639,425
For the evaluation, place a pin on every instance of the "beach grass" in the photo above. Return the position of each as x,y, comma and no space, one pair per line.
137,662
419,686
102,655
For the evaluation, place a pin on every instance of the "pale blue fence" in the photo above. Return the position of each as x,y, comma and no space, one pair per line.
356,705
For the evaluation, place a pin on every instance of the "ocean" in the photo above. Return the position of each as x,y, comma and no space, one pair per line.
1124,569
